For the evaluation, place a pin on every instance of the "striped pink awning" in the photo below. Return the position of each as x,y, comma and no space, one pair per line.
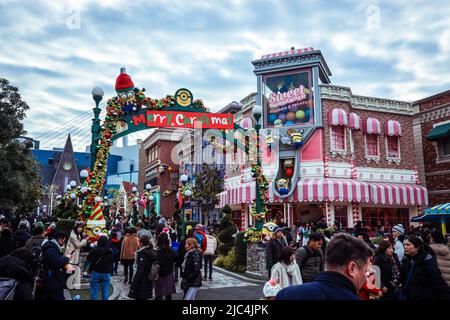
337,117
326,189
392,128
244,193
246,123
354,122
399,194
286,53
372,125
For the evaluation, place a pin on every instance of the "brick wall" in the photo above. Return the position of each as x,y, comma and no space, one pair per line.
406,140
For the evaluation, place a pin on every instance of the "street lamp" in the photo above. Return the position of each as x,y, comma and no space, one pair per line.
148,186
257,112
97,95
84,174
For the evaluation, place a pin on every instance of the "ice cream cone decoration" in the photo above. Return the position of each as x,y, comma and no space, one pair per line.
96,222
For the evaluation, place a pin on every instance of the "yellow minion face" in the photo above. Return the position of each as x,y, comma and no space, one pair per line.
267,229
282,183
126,96
289,163
183,97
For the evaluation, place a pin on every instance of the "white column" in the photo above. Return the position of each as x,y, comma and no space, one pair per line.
284,211
350,215
330,211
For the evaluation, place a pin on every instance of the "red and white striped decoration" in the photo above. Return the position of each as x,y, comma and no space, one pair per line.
223,199
287,53
398,194
355,211
372,125
354,121
392,128
246,123
416,174
337,117
243,217
353,169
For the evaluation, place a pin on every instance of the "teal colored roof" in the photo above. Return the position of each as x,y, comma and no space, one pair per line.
439,132
434,214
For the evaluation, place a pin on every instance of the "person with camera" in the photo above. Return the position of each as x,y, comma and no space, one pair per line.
386,259
77,240
54,265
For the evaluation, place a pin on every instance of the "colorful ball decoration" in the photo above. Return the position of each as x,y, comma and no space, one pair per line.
307,114
278,123
272,117
290,116
289,172
289,123
282,116
300,114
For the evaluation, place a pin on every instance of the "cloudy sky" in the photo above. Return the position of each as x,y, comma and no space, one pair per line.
56,51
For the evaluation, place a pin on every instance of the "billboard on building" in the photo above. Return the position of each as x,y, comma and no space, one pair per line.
288,99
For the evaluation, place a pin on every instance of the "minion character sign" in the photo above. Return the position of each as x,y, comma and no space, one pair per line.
96,223
267,230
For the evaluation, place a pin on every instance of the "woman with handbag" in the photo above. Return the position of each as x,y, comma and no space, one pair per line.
142,284
165,284
101,259
191,270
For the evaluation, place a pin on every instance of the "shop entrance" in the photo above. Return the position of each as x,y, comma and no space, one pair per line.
387,217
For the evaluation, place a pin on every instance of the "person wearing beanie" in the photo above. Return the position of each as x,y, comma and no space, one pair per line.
274,247
398,232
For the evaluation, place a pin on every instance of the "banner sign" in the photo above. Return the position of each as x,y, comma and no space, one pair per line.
181,119
288,99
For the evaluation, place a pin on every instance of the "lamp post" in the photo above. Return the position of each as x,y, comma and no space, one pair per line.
183,179
257,111
97,95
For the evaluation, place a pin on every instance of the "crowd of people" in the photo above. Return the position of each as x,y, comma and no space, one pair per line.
413,264
39,266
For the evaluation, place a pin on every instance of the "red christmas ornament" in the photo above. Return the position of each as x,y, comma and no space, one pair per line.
289,172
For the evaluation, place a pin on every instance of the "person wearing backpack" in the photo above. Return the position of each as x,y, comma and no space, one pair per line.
21,236
211,245
165,284
17,266
142,287
101,259
34,245
310,257
200,236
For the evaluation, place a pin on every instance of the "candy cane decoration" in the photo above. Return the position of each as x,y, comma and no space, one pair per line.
325,167
355,211
416,174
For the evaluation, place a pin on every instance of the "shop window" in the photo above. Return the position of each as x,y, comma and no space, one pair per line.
393,147
444,148
388,217
372,148
338,140
340,215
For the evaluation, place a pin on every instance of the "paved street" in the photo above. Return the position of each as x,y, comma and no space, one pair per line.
222,287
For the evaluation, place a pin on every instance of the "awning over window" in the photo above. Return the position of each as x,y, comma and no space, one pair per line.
439,132
222,199
326,189
243,193
392,128
400,194
372,125
354,122
337,117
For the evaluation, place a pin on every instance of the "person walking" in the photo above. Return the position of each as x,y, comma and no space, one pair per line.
191,270
74,245
115,244
286,271
310,257
7,244
54,263
211,246
165,285
274,247
386,259
141,287
101,259
398,232
181,252
440,248
347,261
420,276
130,245
200,236
21,236
141,231
18,266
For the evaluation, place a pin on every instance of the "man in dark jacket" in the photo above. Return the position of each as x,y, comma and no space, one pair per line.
17,266
34,244
54,267
274,247
21,236
346,263
101,259
7,244
310,258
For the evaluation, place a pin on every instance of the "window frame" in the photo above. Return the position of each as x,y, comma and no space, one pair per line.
332,138
372,157
388,157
